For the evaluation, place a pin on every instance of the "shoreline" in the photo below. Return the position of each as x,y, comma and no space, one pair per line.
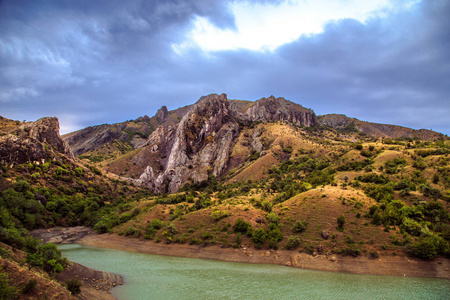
384,265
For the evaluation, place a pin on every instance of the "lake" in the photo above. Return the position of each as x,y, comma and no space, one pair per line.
149,276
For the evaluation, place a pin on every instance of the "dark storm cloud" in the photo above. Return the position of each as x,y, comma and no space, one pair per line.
91,62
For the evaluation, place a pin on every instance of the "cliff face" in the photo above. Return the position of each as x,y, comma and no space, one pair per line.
32,141
199,147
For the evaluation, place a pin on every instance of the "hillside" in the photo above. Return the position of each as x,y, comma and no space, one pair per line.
285,176
41,186
267,175
344,123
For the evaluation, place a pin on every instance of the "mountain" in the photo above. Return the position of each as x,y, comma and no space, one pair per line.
170,149
268,174
342,122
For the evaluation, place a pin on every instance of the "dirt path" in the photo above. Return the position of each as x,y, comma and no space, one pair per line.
384,265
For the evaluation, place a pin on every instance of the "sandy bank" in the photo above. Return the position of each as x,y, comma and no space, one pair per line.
385,265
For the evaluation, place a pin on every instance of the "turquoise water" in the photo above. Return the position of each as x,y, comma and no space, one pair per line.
162,277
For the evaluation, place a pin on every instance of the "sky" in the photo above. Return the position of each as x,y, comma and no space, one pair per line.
106,61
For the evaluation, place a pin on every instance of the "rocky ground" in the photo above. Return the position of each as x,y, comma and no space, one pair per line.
94,284
62,235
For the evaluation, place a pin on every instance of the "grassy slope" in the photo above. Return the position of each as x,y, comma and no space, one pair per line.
319,206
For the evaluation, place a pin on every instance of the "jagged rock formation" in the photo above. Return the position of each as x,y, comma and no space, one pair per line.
199,147
32,142
280,109
339,121
162,114
200,143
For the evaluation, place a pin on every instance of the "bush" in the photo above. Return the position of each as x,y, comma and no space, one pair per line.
241,226
292,242
430,246
217,214
6,291
266,206
157,224
299,226
132,231
373,254
258,237
341,222
29,286
74,286
102,227
273,218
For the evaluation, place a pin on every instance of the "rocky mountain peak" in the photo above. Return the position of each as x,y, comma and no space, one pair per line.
46,130
280,109
199,147
162,113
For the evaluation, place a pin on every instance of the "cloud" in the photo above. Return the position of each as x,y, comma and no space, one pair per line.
263,26
94,62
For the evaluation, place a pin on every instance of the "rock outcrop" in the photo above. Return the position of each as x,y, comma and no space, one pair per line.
33,142
199,147
162,113
280,109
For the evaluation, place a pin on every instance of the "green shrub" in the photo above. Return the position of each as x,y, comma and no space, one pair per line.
273,218
217,214
29,286
266,206
132,231
73,286
299,226
258,237
241,226
373,254
102,227
292,242
430,246
341,222
6,291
